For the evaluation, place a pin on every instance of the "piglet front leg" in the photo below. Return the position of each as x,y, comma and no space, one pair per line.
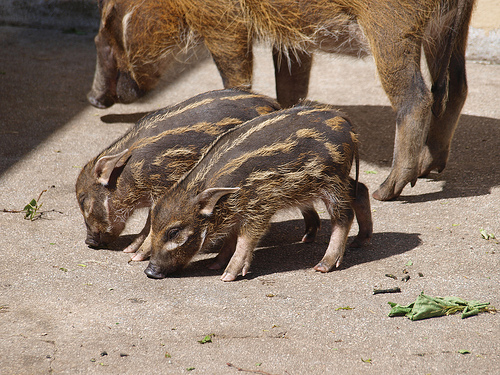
241,259
141,245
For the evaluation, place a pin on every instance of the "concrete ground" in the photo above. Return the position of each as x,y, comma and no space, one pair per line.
68,309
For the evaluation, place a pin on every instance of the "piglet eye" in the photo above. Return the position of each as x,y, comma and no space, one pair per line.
171,234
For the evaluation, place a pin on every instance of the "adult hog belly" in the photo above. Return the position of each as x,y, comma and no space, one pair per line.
286,159
138,41
152,156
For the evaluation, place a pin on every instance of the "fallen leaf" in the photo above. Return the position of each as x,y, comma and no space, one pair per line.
206,339
344,308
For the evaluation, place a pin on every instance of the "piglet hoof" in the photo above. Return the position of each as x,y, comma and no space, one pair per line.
308,238
226,276
130,249
322,267
140,256
215,266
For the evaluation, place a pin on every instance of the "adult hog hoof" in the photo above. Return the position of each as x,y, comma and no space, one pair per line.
385,194
429,163
152,272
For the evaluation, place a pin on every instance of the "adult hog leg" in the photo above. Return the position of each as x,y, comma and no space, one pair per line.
292,74
341,220
444,120
363,213
398,65
103,89
234,59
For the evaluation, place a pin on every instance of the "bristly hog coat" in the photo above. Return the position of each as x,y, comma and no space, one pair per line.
139,40
288,158
153,155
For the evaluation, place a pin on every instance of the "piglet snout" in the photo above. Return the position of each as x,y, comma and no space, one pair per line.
153,272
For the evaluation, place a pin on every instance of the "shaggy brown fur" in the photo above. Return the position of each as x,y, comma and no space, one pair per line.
139,40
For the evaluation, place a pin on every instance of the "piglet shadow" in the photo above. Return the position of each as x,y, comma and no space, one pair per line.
119,244
281,251
131,118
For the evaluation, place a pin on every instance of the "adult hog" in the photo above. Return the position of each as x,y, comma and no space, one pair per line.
285,159
138,41
153,155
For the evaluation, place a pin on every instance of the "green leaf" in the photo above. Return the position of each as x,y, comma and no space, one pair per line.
427,307
206,339
409,263
168,355
463,351
190,368
369,360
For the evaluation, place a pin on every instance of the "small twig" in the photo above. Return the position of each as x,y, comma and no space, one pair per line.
392,290
32,209
251,371
12,211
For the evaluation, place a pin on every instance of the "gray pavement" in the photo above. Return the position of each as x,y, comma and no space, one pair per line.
68,309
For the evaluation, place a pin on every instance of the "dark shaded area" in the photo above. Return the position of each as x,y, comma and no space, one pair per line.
25,57
57,69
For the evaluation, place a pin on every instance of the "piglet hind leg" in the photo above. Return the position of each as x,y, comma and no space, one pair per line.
241,259
225,253
338,239
313,223
362,210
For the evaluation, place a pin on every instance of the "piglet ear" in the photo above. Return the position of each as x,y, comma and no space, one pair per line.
105,166
209,198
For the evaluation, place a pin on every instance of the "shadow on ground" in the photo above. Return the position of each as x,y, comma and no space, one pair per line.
57,69
280,251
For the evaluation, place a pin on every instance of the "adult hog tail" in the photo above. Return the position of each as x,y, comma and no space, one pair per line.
440,86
